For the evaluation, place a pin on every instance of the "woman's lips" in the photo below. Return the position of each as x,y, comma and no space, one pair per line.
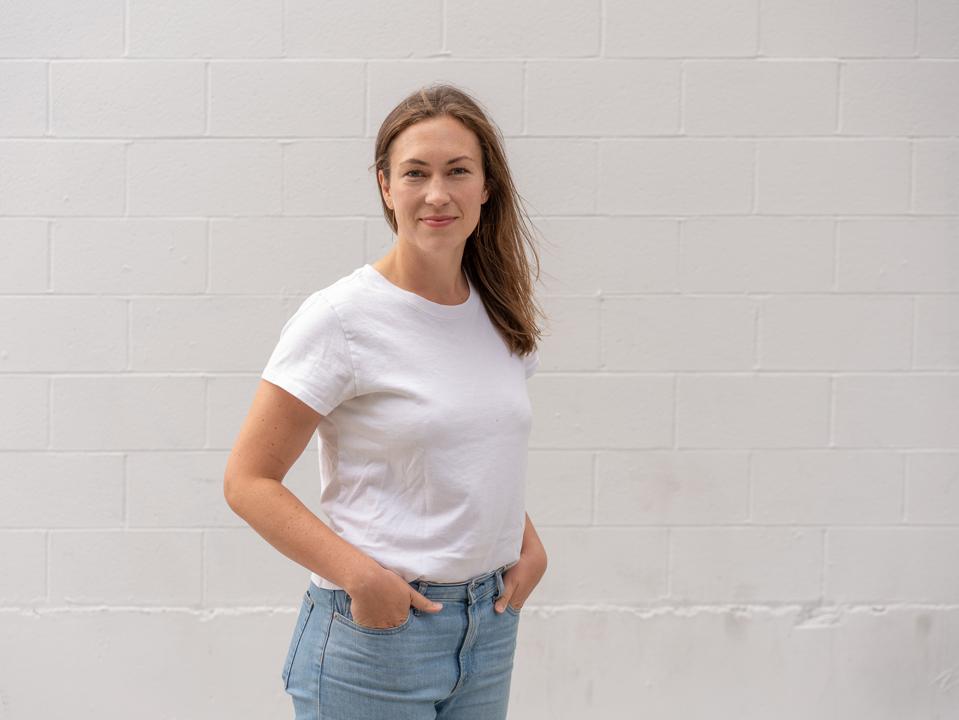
438,223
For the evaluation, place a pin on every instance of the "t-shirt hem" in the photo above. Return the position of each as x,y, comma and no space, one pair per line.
298,391
322,582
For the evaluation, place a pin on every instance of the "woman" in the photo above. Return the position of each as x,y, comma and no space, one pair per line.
413,372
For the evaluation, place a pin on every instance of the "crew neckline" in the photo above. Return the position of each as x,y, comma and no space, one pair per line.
420,302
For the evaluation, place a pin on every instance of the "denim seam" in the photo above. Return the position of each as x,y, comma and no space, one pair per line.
300,631
319,672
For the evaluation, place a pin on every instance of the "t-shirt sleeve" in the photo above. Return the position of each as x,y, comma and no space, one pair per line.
312,359
532,362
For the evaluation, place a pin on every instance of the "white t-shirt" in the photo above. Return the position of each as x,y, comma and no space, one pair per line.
423,444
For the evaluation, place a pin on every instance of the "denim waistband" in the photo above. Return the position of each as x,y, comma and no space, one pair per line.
468,590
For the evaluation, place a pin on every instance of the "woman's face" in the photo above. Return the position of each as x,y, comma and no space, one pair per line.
424,183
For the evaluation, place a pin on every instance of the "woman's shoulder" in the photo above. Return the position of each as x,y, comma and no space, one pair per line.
347,290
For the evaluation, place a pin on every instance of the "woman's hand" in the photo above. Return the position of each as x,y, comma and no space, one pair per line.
520,579
382,599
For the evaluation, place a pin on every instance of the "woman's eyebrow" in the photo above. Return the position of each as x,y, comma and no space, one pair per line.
416,161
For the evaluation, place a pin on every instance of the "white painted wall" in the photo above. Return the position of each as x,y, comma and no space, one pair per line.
745,451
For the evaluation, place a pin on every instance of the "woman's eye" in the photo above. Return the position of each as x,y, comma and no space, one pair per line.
454,169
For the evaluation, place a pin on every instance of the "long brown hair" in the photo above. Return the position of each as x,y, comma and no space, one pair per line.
494,257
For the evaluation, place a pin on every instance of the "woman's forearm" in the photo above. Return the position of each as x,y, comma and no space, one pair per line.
531,541
288,525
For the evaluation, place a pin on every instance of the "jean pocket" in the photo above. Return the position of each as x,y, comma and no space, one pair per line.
344,614
509,608
350,622
306,608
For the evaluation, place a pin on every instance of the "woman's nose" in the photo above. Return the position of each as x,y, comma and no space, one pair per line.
436,190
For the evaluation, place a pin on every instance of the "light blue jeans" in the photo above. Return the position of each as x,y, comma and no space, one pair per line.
454,664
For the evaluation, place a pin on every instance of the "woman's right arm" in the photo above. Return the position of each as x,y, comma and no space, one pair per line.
274,434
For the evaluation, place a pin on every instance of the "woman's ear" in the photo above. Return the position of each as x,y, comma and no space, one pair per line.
384,189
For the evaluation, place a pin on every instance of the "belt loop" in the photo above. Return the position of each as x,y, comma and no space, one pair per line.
420,587
499,582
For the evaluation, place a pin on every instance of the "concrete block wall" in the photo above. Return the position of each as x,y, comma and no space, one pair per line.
745,451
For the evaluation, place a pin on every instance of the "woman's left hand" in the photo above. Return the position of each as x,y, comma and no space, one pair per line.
520,579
